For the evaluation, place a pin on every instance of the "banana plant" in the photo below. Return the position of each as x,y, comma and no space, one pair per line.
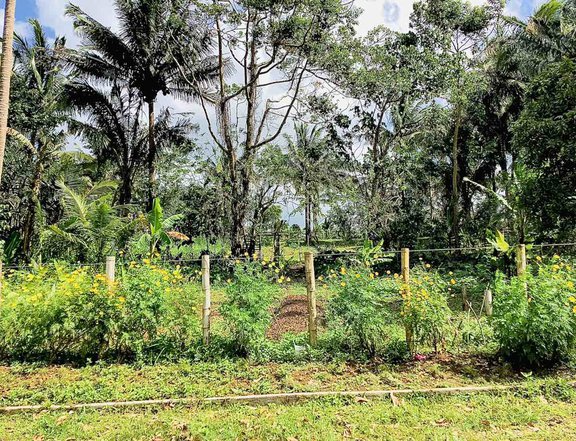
159,229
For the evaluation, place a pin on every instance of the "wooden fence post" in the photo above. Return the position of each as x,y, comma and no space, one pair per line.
1,279
521,259
488,301
111,269
207,299
465,301
405,263
311,290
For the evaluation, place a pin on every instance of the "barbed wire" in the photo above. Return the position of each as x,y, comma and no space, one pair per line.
351,253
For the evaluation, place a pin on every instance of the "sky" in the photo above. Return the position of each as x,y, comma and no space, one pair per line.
392,13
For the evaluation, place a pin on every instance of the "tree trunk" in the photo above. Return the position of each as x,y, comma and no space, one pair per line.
125,196
30,220
152,153
5,75
455,199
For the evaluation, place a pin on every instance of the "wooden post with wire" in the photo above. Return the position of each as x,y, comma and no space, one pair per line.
111,269
488,302
311,291
207,299
521,260
405,264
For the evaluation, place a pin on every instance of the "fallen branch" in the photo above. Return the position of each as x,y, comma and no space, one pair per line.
258,399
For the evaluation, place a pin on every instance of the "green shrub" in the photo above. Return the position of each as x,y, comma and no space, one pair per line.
57,314
54,313
425,307
363,307
247,309
535,315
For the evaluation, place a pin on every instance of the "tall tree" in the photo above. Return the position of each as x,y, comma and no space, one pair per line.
115,132
271,47
143,54
6,73
38,113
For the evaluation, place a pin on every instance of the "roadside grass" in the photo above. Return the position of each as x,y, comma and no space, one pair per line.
470,417
30,384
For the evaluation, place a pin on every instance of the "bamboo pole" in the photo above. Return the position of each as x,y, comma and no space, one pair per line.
521,259
311,291
111,269
207,299
488,301
405,264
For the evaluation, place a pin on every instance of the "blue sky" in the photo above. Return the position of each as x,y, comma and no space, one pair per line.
393,13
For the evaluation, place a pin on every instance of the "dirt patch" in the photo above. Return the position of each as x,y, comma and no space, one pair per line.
292,317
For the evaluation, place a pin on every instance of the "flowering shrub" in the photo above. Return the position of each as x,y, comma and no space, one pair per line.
362,307
53,312
425,309
535,314
247,309
57,314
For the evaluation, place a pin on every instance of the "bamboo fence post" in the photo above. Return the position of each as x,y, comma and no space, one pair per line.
311,291
521,259
207,299
111,269
465,302
488,301
405,263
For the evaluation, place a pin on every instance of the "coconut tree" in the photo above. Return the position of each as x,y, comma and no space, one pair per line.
142,54
6,72
114,132
37,114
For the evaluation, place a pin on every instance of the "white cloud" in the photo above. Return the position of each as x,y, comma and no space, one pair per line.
51,13
394,14
21,28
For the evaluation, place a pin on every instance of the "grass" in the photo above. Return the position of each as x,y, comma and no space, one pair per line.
478,417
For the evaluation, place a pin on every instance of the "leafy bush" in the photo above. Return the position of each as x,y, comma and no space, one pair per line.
56,314
425,307
535,315
247,309
53,313
363,307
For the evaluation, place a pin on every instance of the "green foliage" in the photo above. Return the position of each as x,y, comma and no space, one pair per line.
535,315
56,314
425,307
158,234
363,306
247,308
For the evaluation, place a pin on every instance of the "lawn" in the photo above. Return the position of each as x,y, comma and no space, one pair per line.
542,409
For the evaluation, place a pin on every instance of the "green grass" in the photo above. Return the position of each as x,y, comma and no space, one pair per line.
478,417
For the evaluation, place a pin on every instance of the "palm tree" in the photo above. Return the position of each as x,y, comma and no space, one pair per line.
91,226
37,113
115,133
309,166
6,72
143,55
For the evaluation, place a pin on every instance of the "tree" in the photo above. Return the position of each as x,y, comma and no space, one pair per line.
6,73
115,132
457,31
144,55
92,227
271,46
37,114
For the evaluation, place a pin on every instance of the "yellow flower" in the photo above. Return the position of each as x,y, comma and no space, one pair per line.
452,282
572,299
121,299
342,270
320,278
376,273
574,310
428,265
570,285
324,286
388,272
288,279
229,281
357,276
343,284
539,259
276,270
556,257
